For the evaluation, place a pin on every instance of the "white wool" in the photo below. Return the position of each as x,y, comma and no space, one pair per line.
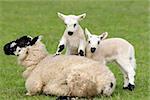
64,75
75,42
113,49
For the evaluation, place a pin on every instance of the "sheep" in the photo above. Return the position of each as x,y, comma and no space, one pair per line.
73,38
62,75
113,49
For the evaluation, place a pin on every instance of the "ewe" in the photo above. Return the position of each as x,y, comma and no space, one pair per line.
60,75
117,49
73,38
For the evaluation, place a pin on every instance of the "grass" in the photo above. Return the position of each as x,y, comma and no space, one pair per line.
124,18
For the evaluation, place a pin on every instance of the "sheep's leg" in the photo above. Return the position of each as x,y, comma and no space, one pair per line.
33,86
81,49
61,46
57,87
127,67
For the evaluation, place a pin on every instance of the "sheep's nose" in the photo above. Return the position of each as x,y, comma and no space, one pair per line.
70,33
93,50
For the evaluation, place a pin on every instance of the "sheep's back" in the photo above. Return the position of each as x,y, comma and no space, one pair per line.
61,66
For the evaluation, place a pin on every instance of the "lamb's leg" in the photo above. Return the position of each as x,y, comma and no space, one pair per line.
33,86
61,45
81,49
56,87
129,70
125,77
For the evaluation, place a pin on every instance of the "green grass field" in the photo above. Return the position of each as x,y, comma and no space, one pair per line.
120,18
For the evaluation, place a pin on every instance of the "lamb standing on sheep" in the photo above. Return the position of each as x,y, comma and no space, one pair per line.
116,49
61,75
73,38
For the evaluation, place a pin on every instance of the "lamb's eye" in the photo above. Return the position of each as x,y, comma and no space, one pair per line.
74,25
98,42
19,50
89,42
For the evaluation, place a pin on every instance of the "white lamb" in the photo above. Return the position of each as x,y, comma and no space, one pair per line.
60,75
113,49
73,38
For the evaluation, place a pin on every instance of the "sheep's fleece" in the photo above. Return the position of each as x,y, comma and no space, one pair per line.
61,75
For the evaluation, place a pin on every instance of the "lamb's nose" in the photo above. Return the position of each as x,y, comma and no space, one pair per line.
70,33
93,50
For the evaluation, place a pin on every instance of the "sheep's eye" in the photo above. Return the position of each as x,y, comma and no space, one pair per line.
74,25
65,24
27,52
98,42
89,42
19,50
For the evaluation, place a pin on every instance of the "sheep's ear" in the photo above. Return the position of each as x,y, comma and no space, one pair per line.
30,37
36,39
103,35
82,16
61,16
88,34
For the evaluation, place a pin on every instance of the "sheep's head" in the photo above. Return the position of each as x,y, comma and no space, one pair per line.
71,22
94,40
20,45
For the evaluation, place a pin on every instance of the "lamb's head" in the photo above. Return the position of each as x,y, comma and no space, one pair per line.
71,22
94,40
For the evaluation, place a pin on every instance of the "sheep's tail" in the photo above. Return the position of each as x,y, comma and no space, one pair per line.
132,57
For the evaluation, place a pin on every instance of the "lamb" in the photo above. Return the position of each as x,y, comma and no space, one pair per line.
113,49
73,38
63,75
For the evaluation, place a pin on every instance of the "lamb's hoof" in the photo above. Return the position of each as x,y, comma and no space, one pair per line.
131,87
81,53
125,87
63,98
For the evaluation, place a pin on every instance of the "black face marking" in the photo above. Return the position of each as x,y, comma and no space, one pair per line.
111,84
61,47
93,50
70,33
75,25
23,41
101,37
8,50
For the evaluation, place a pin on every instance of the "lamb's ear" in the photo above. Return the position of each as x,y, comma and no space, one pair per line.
61,16
35,39
103,35
88,34
82,16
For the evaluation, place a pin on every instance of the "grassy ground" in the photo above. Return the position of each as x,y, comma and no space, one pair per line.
126,19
